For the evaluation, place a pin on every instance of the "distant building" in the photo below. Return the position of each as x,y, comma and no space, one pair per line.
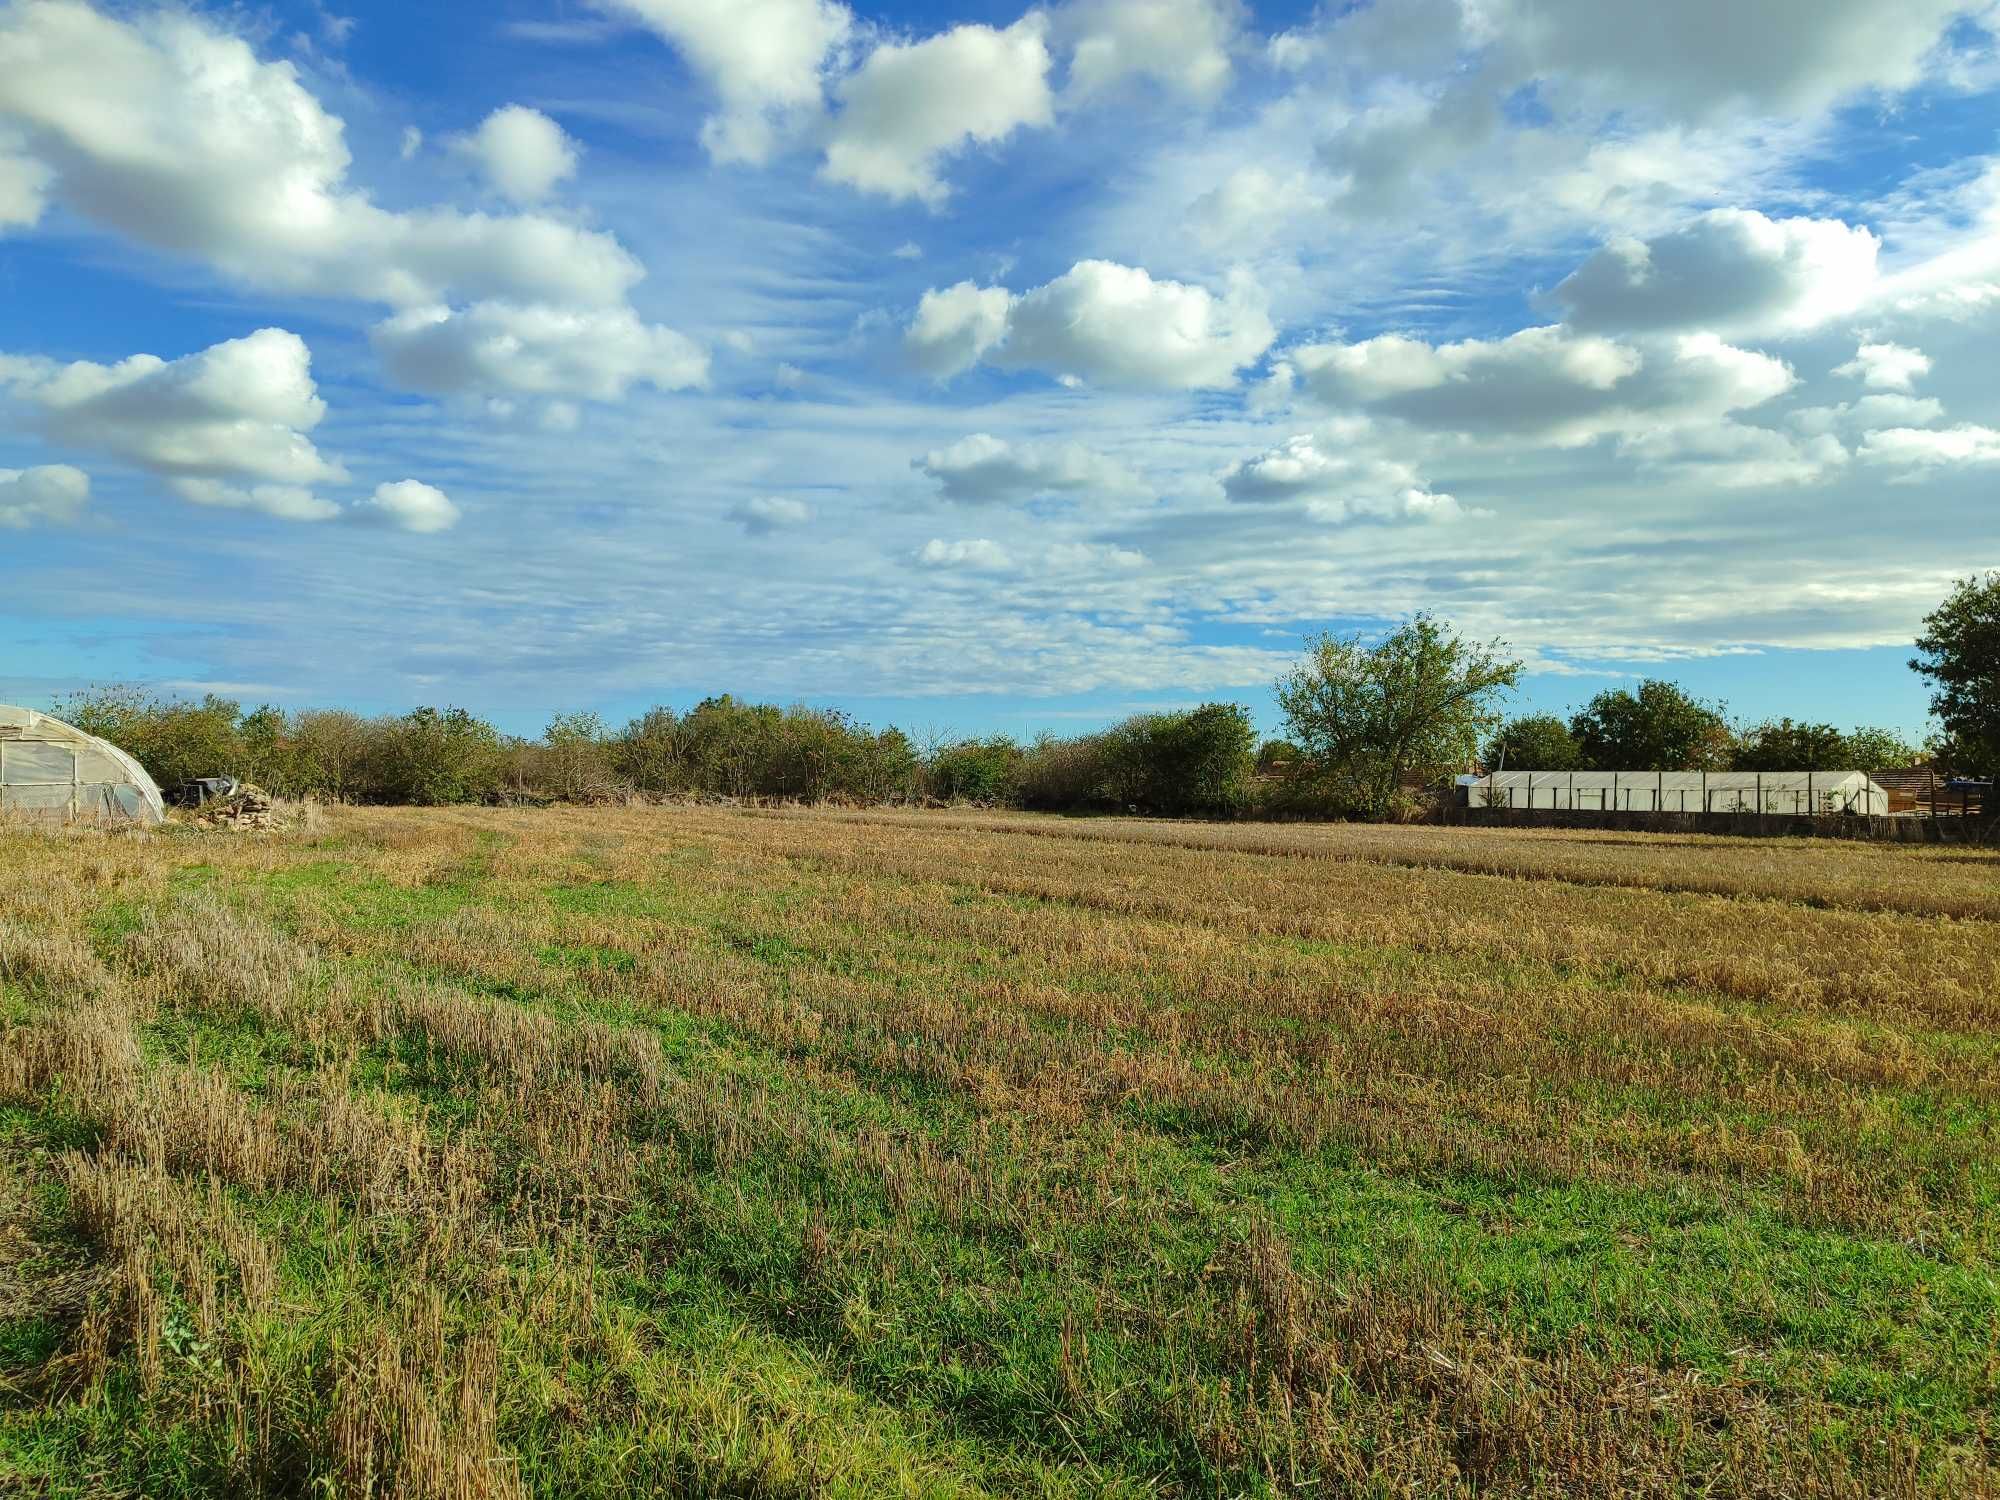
52,771
1802,794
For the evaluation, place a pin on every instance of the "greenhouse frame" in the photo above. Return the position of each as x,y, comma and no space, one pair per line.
1800,794
52,771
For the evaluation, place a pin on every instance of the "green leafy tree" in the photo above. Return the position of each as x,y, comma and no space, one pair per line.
1065,775
1881,750
175,739
1196,762
732,746
267,756
1658,728
654,753
432,757
1782,745
330,751
1277,757
887,768
984,771
577,760
1369,719
726,747
1959,656
1533,742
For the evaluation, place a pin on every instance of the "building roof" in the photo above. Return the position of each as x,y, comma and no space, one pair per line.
1672,780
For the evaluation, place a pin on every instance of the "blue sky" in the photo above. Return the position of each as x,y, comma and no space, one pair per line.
989,366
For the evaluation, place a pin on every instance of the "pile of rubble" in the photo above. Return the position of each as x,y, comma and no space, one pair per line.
243,808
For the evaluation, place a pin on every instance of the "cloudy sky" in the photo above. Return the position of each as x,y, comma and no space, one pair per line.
986,366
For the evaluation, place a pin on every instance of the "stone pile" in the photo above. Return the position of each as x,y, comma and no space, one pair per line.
245,808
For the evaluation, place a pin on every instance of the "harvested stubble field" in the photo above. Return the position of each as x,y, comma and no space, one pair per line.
468,1154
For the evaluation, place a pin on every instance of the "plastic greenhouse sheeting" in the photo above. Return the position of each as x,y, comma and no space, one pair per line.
1802,794
52,770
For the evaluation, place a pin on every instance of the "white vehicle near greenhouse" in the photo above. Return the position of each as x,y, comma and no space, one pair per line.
1800,794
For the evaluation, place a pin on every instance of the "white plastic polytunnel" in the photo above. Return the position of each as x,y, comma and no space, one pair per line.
1800,794
53,771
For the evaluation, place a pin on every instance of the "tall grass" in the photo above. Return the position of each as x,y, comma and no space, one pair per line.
517,1152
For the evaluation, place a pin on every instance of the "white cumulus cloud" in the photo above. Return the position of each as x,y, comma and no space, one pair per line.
172,132
983,469
286,502
1730,271
1099,322
1184,44
53,494
238,410
228,427
1926,448
23,185
1116,325
1350,484
954,328
522,152
535,349
976,554
1886,367
1697,57
1545,384
765,59
408,505
910,105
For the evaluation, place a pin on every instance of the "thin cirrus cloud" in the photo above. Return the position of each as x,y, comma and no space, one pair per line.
765,515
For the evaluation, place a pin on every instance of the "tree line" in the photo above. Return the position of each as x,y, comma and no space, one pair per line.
1659,727
1369,723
